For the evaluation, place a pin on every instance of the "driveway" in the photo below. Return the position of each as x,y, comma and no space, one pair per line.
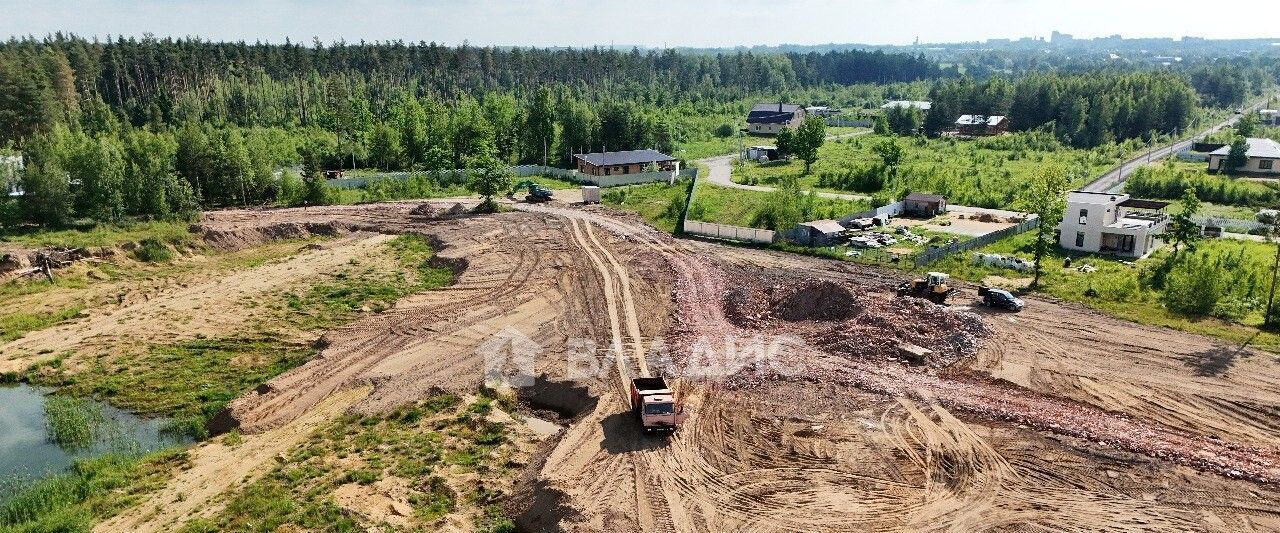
720,173
1115,177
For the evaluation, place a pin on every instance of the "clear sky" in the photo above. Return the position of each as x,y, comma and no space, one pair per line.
650,23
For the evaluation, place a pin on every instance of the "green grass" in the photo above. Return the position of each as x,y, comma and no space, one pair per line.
982,172
72,423
173,232
348,293
1122,293
416,442
190,381
738,207
153,251
660,204
92,490
15,325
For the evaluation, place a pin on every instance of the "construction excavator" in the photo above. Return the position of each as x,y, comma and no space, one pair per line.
932,287
537,193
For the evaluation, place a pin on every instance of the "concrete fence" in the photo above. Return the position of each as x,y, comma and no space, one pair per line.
522,171
928,256
848,123
732,233
893,209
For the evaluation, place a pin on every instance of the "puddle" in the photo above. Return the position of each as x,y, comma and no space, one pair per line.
542,427
27,451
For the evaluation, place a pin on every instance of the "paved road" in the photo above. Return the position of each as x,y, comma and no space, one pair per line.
721,172
1115,177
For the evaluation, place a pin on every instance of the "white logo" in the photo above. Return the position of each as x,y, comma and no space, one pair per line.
509,359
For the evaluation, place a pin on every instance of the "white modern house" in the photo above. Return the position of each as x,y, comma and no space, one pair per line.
1263,154
1099,222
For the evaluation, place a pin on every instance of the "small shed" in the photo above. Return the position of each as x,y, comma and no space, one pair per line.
924,205
817,233
763,153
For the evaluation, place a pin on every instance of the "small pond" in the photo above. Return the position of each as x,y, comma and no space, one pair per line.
27,450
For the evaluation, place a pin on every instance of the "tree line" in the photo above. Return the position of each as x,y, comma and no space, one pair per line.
1085,110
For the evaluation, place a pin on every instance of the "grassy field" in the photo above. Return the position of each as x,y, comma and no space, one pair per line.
737,207
191,381
93,490
980,172
421,446
1122,292
660,204
88,234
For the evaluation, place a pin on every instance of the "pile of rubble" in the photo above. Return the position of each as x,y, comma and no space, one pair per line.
842,319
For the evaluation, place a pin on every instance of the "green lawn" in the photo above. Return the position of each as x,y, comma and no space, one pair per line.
980,172
737,207
89,234
1121,290
660,204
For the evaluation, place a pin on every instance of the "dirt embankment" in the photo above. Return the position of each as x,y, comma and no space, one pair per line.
853,441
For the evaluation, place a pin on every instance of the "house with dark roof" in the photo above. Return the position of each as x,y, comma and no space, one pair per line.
981,125
770,119
924,205
1263,154
626,162
1100,222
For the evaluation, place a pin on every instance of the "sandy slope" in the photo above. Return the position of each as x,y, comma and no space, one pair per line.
881,446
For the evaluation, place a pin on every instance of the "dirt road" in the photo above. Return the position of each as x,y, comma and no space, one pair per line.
1062,419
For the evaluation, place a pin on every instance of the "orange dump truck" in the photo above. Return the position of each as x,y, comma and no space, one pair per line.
655,405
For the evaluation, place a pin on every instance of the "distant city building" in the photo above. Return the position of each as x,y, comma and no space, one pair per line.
1058,37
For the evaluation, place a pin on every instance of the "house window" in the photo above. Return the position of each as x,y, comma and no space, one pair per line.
626,169
1265,164
1079,239
1084,216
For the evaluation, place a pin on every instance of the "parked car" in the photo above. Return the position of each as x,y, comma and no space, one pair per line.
999,298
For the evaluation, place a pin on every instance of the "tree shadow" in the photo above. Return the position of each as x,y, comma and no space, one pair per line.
1217,360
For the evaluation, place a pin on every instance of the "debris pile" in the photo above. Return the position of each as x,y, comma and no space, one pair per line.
841,319
425,210
950,335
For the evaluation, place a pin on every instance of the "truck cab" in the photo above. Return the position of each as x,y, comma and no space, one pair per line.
655,405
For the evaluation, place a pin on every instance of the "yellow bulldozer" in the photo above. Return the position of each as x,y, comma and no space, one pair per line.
932,287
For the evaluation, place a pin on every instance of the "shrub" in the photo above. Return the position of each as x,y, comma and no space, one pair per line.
153,251
1193,287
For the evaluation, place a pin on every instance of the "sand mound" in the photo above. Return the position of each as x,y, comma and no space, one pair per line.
237,238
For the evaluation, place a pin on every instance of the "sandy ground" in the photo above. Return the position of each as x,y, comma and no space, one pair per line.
966,226
1065,420
168,310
